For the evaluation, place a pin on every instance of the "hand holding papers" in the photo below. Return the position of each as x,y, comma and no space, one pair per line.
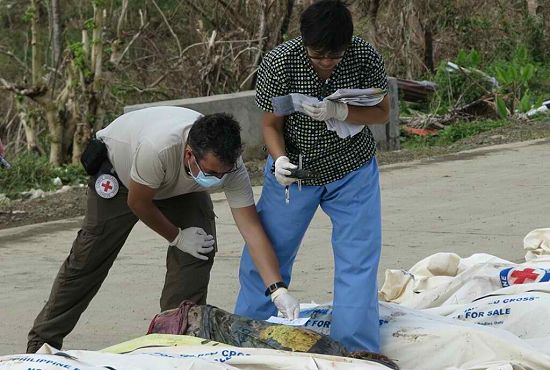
289,104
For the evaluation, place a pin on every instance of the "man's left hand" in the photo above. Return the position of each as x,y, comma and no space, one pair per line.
286,304
326,110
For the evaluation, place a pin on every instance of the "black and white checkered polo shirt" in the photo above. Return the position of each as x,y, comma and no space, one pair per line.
287,69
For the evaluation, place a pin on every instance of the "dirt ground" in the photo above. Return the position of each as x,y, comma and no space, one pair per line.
73,202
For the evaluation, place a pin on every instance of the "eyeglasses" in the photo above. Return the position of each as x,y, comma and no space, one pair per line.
219,175
330,56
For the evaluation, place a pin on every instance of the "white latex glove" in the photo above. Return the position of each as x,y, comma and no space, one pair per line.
194,241
286,304
326,110
282,167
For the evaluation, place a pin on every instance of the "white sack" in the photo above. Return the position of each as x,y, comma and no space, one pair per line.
522,310
184,358
445,278
537,244
419,340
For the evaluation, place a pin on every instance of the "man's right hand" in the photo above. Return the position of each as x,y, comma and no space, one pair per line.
282,167
194,241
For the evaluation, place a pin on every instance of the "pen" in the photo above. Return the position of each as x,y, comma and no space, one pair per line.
287,194
300,167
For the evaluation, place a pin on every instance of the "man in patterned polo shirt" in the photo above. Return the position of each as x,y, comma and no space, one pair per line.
326,57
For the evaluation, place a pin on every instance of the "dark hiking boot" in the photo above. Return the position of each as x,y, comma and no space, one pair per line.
34,346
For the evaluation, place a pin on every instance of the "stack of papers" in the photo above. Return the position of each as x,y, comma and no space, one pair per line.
281,320
359,97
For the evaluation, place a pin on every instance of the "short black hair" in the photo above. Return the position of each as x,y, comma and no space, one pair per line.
218,133
327,25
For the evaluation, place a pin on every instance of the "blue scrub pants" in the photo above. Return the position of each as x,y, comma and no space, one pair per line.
353,205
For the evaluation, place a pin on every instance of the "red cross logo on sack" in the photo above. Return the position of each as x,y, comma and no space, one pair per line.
106,186
525,275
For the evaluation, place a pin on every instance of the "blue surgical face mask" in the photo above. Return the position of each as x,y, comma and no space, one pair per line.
207,181
203,180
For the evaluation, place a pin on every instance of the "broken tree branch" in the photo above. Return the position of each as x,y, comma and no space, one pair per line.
168,25
19,61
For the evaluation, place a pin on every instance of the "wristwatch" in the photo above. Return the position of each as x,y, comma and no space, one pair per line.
273,287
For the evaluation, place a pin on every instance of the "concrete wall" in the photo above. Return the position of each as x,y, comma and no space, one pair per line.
241,105
243,108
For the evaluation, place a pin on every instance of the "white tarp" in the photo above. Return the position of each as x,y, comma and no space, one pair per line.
153,356
480,312
537,244
419,340
423,340
445,278
522,310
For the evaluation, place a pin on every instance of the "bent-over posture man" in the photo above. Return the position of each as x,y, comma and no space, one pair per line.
157,166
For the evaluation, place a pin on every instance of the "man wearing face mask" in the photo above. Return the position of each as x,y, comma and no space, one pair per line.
157,165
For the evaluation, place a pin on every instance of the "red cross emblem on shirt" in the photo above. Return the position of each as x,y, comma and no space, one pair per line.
522,275
106,186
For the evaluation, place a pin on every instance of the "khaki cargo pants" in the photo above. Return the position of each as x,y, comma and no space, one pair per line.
105,228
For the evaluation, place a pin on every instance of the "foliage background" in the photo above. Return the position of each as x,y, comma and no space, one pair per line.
188,48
